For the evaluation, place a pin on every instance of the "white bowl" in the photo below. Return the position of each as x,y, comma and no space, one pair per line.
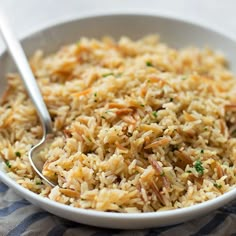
177,33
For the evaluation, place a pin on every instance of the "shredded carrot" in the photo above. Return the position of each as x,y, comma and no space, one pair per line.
65,67
193,178
67,133
230,107
116,105
165,182
157,192
184,158
219,170
5,95
143,91
188,117
83,120
147,139
222,126
70,193
123,111
83,93
220,88
160,172
156,166
160,142
7,121
142,191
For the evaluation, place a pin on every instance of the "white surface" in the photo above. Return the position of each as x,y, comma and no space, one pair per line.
167,28
28,15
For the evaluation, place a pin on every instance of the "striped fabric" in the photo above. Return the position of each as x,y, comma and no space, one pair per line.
20,218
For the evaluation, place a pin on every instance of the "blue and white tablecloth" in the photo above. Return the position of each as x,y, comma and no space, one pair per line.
20,218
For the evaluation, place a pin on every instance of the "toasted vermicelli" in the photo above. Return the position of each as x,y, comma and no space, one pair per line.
140,126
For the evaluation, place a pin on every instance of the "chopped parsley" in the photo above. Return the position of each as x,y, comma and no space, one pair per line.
234,133
103,117
148,63
154,113
142,105
89,139
129,134
95,94
202,151
107,74
205,129
118,75
8,164
198,166
184,78
171,99
162,173
189,171
18,154
217,185
175,147
38,182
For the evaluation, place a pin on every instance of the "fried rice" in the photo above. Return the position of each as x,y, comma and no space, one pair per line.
140,126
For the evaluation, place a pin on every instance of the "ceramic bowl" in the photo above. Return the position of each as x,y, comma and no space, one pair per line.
175,32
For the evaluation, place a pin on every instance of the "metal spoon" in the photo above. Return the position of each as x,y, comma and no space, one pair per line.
18,56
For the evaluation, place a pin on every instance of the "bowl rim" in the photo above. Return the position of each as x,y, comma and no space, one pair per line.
197,208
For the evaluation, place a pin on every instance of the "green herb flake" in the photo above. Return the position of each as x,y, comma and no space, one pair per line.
202,151
18,154
217,185
119,75
154,113
95,94
162,173
189,171
38,182
184,78
129,134
107,74
103,117
234,133
205,129
198,166
8,164
148,63
171,99
142,105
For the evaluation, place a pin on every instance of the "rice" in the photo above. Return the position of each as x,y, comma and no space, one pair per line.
140,126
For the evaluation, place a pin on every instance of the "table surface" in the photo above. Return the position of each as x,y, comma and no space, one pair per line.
19,217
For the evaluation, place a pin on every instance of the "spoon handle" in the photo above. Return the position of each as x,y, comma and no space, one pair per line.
19,57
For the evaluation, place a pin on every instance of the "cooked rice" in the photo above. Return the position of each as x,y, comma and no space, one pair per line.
140,126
